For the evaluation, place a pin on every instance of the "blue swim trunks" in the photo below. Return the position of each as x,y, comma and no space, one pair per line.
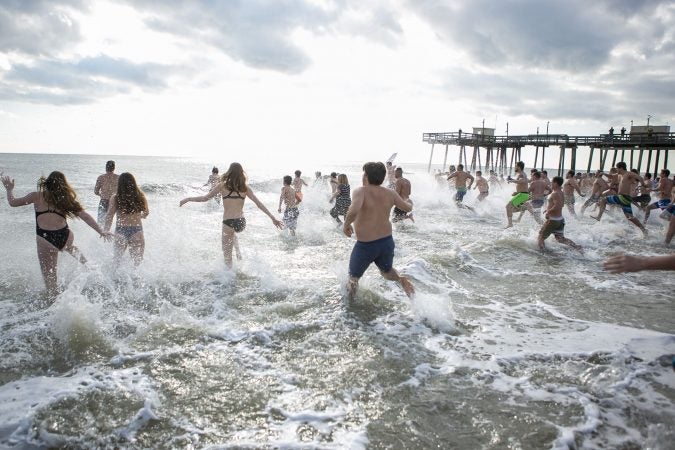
624,201
379,251
661,204
461,192
537,203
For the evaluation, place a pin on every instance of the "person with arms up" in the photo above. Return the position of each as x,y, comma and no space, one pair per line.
234,191
369,213
53,202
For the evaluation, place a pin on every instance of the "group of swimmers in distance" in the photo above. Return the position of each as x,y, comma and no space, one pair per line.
366,211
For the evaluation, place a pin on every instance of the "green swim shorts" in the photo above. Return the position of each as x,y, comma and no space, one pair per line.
519,199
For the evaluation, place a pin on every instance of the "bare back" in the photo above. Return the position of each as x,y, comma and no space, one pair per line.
106,185
403,188
371,207
538,189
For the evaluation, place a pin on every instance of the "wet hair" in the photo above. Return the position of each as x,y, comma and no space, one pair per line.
214,170
621,165
130,199
234,179
58,194
298,173
536,174
666,172
460,166
288,180
342,179
399,169
558,180
521,165
333,174
479,173
110,166
570,173
375,172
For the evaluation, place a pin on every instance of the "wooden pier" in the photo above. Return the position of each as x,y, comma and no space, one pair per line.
495,149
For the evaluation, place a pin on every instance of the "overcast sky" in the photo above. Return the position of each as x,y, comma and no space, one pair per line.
341,80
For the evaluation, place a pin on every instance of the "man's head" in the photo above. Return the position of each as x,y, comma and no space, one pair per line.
621,166
544,173
398,173
536,175
479,173
110,166
374,172
214,170
570,174
333,174
298,173
288,180
648,176
598,174
557,182
460,166
520,166
665,173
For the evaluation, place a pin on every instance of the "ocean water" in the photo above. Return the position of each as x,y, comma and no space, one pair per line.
503,346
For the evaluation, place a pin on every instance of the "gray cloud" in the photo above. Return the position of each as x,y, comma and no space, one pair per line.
39,27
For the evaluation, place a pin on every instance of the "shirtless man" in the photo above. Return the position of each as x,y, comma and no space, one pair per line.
213,181
599,186
520,197
291,213
555,223
106,187
538,191
664,188
369,212
494,180
571,185
460,183
623,198
545,179
403,189
333,184
297,185
391,175
482,186
613,181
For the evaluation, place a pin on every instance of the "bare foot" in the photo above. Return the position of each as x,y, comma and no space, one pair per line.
510,225
352,286
407,286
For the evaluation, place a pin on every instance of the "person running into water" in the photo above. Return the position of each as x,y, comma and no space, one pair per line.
297,185
333,183
53,202
130,206
555,223
291,213
342,197
519,198
105,187
482,186
370,210
571,185
391,175
213,181
538,191
234,190
494,180
460,178
664,187
403,189
623,198
599,186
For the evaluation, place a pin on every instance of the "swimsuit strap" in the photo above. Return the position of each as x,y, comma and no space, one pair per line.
39,213
238,196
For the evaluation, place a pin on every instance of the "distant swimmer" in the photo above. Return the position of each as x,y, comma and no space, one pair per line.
599,186
342,197
519,199
664,188
54,201
213,181
234,190
130,206
391,175
371,206
623,198
403,189
571,185
298,182
482,186
555,223
288,197
105,187
461,187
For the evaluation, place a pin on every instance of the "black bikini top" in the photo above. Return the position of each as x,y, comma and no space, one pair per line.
238,196
39,213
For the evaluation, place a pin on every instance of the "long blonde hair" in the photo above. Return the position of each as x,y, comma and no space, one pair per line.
58,194
234,179
342,179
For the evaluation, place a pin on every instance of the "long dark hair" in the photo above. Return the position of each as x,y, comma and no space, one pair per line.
130,199
58,194
235,178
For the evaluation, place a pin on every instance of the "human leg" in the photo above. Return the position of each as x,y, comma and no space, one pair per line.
227,244
48,258
137,247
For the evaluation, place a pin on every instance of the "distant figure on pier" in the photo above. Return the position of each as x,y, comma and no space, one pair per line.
520,197
569,187
623,198
664,189
611,131
403,189
623,131
460,182
599,186
482,186
555,222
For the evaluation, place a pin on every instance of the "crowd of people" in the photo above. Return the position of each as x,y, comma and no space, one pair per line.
366,211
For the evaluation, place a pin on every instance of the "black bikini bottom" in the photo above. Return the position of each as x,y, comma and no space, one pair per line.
57,238
237,225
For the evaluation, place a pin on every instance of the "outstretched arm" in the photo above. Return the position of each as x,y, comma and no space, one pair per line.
23,201
249,193
112,210
84,215
203,198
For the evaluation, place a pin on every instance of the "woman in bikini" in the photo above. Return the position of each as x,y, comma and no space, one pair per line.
54,202
234,190
130,205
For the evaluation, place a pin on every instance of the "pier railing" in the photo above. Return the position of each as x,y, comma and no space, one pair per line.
660,140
